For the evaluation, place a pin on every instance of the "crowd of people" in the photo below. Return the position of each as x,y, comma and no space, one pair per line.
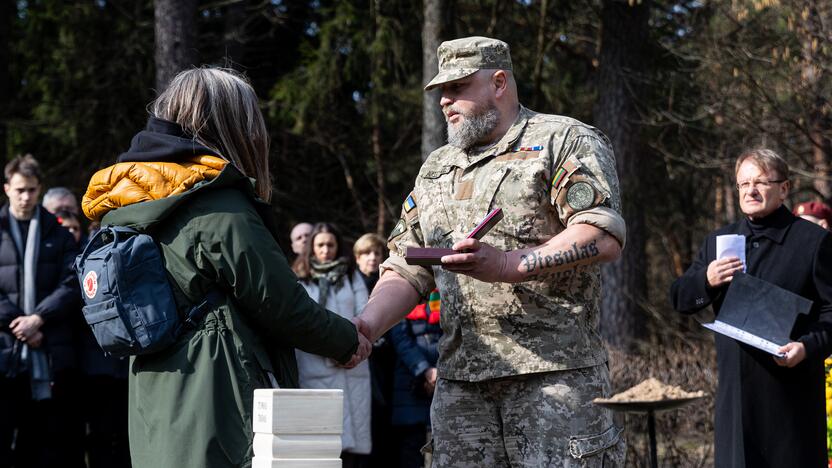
492,356
64,400
387,398
79,418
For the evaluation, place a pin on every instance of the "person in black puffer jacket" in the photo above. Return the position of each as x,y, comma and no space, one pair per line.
37,356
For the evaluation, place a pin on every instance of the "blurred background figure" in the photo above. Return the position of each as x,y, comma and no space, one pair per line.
298,235
72,222
369,252
816,212
60,199
102,402
329,276
416,340
39,299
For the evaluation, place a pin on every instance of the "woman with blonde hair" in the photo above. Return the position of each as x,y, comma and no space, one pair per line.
369,253
197,179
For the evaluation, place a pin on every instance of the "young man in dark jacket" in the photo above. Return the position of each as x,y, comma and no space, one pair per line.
38,294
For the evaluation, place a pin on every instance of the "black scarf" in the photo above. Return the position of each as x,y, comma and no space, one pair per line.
328,274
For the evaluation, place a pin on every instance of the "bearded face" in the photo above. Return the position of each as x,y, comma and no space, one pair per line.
474,125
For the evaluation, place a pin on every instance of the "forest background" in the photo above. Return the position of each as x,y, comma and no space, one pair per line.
680,87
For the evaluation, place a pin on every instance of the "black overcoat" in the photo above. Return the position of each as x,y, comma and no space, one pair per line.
767,415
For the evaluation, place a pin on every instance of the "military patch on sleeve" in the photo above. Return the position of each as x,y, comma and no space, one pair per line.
579,193
409,209
409,203
398,230
580,196
562,175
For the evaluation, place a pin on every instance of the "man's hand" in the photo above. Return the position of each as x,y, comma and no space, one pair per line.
430,380
25,326
795,354
365,346
36,340
364,328
477,260
722,271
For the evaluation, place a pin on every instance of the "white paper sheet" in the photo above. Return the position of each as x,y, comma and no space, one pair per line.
744,337
731,245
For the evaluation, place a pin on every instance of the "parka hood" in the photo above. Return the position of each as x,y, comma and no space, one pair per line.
162,168
163,141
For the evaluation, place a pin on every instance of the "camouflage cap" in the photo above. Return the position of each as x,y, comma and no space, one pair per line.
463,57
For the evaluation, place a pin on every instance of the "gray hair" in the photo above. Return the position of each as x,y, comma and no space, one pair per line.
220,109
53,197
767,160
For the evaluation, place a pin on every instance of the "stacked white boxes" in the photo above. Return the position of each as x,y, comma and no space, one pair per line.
297,428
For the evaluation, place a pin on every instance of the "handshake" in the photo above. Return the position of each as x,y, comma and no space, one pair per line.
365,343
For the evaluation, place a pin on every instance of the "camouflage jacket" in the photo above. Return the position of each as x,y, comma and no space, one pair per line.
547,172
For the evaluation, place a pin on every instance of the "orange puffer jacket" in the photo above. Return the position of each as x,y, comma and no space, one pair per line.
126,183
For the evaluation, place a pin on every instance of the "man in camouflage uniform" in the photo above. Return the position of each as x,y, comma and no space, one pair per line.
521,358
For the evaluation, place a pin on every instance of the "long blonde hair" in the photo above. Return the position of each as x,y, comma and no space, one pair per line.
219,108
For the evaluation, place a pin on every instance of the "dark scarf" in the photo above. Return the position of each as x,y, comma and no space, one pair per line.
328,274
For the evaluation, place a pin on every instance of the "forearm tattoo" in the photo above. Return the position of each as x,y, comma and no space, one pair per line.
535,263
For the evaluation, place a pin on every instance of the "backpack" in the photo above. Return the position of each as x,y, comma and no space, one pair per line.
129,302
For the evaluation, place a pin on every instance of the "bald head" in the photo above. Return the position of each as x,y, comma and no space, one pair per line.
299,235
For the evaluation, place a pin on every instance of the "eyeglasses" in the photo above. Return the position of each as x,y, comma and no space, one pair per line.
757,184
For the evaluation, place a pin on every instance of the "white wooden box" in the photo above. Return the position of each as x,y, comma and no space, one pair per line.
298,411
261,462
297,445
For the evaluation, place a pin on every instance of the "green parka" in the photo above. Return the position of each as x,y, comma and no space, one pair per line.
191,404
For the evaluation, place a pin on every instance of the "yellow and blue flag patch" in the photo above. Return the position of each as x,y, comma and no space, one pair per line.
409,203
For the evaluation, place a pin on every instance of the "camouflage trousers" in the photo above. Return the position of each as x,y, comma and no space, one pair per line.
532,420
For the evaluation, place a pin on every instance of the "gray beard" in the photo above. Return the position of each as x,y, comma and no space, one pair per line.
474,128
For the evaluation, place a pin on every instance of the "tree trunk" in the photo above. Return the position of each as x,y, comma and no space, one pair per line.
8,11
623,56
822,153
175,33
541,52
433,122
813,32
233,34
375,122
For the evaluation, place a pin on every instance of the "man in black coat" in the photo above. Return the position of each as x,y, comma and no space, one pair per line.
770,412
38,295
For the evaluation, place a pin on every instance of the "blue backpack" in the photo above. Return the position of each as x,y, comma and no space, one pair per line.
130,305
